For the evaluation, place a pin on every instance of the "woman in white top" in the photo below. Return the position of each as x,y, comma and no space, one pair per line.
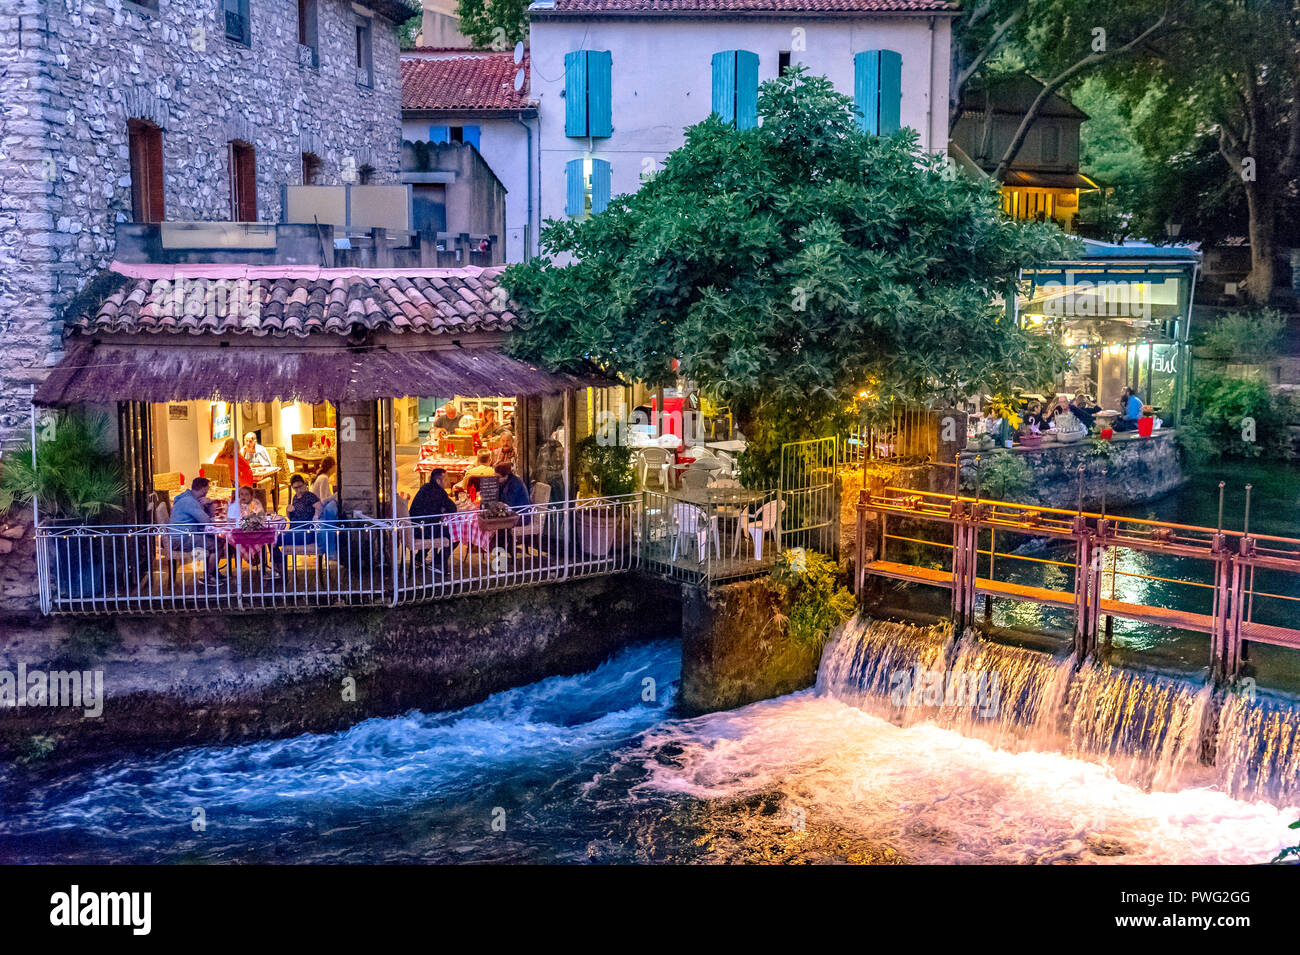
321,486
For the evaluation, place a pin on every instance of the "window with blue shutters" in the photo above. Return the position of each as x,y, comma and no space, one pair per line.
586,187
735,87
878,91
588,93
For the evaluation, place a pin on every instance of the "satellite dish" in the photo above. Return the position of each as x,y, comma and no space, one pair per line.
519,81
519,52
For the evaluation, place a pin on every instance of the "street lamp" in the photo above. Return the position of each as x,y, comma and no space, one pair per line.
1172,228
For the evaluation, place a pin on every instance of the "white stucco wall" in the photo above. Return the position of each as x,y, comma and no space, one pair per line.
503,144
662,79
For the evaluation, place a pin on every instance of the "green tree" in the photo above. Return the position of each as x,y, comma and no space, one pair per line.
493,24
790,267
1230,72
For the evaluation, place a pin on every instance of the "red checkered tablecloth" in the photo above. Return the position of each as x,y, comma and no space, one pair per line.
464,528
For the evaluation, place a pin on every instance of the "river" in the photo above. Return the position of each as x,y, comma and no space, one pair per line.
1094,767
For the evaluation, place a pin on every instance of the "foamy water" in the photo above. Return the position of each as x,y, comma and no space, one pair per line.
587,769
940,797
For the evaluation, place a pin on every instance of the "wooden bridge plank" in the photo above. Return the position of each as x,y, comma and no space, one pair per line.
910,573
1163,616
1267,633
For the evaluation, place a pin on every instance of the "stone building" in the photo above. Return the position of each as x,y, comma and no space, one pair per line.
117,111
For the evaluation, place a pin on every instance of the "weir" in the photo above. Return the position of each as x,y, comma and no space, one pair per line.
968,571
1154,731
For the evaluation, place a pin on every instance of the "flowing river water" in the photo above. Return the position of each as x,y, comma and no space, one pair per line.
913,747
1097,768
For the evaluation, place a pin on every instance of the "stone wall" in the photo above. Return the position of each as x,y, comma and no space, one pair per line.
735,649
76,71
195,678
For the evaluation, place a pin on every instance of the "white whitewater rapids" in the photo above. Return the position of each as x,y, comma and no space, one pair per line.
966,751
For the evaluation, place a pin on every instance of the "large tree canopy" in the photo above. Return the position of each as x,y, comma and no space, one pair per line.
790,266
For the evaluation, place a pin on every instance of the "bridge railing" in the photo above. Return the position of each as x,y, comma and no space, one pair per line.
952,541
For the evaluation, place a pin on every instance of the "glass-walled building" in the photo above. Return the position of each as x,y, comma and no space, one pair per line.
1123,313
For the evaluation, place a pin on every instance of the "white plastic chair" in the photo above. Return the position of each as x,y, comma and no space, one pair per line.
692,523
654,461
758,526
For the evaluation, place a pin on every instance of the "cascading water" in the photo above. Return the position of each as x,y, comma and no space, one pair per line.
1155,731
596,768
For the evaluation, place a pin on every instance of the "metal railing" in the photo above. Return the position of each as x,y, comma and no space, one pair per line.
362,562
718,535
953,542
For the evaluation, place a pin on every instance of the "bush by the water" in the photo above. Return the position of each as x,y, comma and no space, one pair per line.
811,585
1002,477
1236,416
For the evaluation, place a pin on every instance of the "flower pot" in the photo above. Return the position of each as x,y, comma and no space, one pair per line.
1107,433
1145,426
1032,441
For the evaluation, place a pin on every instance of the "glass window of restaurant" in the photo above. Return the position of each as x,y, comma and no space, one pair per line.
456,433
1120,328
196,438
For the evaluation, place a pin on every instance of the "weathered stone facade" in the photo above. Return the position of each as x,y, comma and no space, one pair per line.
76,71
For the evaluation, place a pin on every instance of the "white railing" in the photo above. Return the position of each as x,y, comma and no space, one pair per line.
155,569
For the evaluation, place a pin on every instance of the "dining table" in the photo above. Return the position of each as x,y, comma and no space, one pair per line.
310,458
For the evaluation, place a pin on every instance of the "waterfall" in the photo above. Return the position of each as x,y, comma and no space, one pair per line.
1155,731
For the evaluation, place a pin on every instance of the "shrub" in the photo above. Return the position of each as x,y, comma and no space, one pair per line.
1238,416
609,466
1003,477
74,475
810,584
1246,336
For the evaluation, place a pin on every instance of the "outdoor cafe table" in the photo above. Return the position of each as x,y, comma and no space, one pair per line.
464,527
720,503
310,459
453,465
731,447
247,542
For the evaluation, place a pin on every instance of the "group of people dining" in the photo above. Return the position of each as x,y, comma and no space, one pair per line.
195,523
1038,419
434,500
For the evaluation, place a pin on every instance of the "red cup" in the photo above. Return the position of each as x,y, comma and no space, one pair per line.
1107,433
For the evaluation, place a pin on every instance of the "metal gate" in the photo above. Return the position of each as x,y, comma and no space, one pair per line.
810,509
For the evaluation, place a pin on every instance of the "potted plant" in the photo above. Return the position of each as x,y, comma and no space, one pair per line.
76,483
1069,429
607,470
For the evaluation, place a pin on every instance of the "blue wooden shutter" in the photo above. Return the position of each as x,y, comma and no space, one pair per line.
866,89
724,85
575,93
573,188
891,92
599,185
746,89
600,94
878,90
439,134
470,134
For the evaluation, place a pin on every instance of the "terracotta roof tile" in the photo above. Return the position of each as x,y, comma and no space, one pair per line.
468,79
195,300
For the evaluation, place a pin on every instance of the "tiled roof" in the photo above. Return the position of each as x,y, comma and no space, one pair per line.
811,7
293,301
467,79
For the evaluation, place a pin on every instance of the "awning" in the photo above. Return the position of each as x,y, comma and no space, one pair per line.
155,372
1049,180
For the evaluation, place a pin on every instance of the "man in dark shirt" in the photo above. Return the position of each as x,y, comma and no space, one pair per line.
513,493
447,419
431,501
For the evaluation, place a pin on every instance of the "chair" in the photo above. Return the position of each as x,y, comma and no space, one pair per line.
691,522
712,413
300,442
697,476
218,474
167,482
757,526
280,480
462,444
653,461
541,494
